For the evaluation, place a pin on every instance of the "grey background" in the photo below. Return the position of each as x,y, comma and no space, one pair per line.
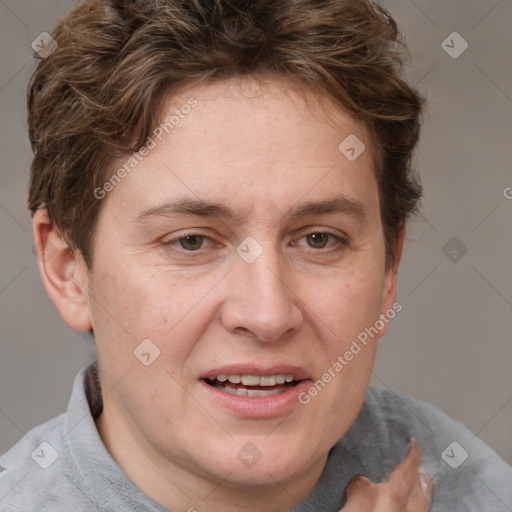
451,343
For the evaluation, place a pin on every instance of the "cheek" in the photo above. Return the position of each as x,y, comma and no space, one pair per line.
140,302
349,305
349,353
133,305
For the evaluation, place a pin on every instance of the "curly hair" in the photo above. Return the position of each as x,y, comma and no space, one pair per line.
98,96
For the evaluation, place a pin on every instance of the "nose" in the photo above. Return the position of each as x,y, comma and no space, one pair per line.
259,302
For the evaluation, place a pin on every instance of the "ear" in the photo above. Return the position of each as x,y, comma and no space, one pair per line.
64,273
389,288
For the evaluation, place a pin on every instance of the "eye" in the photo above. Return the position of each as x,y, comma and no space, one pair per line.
323,240
188,243
191,242
317,240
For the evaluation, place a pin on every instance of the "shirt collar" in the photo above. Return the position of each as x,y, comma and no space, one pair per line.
105,483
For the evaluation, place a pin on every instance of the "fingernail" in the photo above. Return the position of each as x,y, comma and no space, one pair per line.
423,480
424,485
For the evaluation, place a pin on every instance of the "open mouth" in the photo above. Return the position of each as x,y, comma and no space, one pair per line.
253,385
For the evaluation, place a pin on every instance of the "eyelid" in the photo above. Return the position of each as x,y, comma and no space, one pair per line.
310,230
341,238
340,244
178,237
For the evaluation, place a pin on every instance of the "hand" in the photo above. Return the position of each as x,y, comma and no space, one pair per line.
403,492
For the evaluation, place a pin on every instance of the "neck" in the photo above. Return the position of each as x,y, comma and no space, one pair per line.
177,487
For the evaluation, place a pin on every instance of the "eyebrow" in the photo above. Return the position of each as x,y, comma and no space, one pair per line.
187,206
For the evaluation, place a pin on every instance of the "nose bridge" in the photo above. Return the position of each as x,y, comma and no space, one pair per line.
266,278
260,300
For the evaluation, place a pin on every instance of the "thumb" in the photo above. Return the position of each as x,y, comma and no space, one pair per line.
360,495
358,484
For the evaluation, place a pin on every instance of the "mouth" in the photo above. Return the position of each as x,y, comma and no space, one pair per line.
254,385
255,392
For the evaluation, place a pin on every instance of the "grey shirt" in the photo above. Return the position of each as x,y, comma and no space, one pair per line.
63,466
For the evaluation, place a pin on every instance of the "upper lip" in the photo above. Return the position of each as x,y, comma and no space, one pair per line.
298,372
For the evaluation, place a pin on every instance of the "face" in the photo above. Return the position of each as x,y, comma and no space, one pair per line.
244,246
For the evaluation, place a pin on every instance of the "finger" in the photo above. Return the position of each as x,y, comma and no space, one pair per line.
405,475
418,500
406,490
427,484
412,459
420,495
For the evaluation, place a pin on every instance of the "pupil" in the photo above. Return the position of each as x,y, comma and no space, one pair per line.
191,242
319,239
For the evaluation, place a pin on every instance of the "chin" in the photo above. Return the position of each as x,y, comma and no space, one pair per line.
251,467
264,475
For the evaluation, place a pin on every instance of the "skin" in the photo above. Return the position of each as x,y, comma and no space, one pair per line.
259,150
403,491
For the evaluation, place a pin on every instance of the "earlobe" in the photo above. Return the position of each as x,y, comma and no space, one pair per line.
63,272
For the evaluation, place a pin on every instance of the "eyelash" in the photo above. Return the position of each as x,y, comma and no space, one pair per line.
341,243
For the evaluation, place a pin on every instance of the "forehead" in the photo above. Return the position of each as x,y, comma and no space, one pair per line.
274,111
246,141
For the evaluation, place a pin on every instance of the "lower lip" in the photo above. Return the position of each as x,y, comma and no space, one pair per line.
258,406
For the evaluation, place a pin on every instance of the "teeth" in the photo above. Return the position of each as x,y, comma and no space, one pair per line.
252,392
268,380
251,380
256,380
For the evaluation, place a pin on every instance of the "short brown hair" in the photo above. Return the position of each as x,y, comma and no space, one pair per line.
97,96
